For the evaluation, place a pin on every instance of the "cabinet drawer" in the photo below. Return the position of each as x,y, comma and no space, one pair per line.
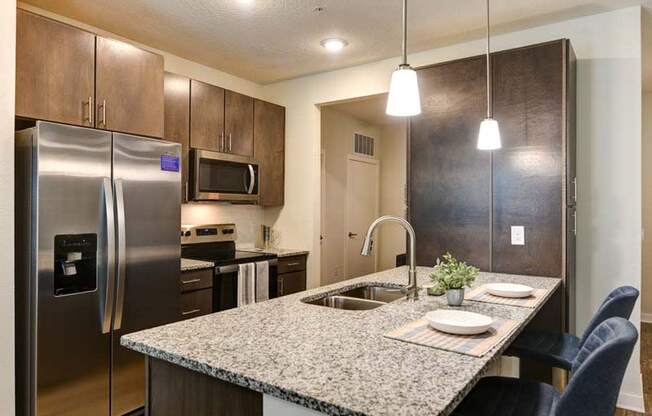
197,303
291,264
289,283
196,279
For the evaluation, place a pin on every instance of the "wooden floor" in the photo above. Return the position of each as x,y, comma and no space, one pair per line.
646,369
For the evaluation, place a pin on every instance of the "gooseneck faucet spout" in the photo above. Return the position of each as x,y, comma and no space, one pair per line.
411,290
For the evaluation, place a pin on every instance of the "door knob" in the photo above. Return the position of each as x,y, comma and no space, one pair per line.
352,235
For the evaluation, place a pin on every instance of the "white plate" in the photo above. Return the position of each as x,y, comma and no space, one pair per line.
458,322
509,290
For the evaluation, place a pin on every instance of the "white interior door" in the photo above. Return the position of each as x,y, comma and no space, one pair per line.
362,209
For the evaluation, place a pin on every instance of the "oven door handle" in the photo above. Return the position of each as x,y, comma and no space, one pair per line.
253,179
226,269
232,268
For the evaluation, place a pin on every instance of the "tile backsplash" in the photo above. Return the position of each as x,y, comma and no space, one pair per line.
247,218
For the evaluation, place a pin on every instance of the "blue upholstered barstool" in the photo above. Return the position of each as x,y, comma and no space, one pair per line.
559,349
597,373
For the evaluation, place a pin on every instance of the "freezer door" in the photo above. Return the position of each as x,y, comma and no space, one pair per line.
70,345
147,182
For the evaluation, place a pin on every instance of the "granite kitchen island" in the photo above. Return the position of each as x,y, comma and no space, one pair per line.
287,357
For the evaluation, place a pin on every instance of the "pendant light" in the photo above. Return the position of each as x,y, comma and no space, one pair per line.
403,99
489,135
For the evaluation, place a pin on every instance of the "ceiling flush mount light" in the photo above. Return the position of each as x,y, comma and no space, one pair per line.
403,99
334,44
489,135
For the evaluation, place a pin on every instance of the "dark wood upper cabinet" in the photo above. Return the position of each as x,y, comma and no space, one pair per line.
269,151
207,116
55,68
129,89
239,123
177,120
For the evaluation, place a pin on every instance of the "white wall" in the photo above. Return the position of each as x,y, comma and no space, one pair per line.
7,100
393,165
338,129
608,47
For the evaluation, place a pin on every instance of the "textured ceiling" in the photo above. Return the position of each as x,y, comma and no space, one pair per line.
271,40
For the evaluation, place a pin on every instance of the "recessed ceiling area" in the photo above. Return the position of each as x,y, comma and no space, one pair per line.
271,40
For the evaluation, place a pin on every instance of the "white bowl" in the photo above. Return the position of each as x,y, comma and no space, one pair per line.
509,290
458,322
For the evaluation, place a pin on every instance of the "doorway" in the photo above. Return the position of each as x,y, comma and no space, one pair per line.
363,176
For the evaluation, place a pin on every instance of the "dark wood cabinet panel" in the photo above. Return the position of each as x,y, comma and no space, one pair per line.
175,391
55,70
293,282
269,151
129,89
528,171
449,179
197,303
292,264
196,279
206,116
177,121
239,123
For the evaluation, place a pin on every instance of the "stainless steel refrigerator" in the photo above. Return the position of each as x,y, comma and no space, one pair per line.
97,256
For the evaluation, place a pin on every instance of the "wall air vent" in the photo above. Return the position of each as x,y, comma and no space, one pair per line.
363,145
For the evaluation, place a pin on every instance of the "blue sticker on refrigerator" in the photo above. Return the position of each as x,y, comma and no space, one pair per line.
169,163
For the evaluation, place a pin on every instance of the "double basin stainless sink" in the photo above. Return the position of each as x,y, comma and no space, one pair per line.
359,298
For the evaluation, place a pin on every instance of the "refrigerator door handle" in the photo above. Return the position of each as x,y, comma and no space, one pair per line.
122,251
107,189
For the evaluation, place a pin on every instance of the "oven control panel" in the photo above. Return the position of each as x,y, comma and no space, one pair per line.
192,234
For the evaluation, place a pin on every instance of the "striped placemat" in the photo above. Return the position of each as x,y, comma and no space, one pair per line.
420,333
480,294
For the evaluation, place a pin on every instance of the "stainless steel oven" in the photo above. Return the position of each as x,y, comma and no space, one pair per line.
223,177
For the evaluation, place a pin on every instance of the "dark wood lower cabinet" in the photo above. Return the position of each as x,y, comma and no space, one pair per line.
176,391
291,275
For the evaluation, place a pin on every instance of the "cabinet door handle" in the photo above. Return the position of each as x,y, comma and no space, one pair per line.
89,115
190,312
220,146
294,264
230,142
103,113
280,286
187,282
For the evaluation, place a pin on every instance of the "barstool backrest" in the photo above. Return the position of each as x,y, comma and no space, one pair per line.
619,303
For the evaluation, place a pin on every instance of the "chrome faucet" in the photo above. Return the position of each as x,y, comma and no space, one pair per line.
411,290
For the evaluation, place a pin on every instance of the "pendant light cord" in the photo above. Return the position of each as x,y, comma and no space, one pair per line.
489,109
404,45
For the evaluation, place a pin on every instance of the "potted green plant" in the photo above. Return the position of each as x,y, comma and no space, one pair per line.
452,276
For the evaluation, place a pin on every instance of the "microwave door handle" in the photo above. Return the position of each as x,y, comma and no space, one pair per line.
253,180
107,190
122,252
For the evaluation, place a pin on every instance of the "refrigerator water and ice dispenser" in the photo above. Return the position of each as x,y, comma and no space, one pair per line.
75,263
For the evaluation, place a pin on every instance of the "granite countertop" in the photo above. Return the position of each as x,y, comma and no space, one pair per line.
190,264
334,361
279,252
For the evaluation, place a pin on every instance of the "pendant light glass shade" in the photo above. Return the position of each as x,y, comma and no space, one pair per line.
403,100
489,136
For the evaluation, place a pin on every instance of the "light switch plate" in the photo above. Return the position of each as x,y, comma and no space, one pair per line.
518,235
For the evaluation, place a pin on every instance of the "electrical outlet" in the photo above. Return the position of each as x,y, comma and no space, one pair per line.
518,235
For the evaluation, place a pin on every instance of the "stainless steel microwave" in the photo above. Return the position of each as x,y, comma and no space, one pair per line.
218,176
